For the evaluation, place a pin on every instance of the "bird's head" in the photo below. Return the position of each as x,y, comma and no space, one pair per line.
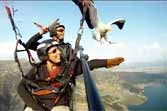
108,28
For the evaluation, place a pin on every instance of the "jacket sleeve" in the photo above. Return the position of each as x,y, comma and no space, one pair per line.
93,64
33,42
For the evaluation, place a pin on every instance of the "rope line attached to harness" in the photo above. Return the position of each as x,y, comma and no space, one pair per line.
18,37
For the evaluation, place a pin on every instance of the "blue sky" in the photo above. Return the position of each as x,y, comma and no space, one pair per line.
143,38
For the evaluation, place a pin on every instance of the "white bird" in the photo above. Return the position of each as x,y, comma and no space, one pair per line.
102,29
93,21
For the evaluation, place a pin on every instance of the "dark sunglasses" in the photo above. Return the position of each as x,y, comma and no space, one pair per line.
60,30
53,51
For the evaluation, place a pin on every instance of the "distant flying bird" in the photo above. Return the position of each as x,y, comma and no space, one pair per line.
93,21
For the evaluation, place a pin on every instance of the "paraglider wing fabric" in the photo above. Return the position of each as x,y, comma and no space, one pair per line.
89,16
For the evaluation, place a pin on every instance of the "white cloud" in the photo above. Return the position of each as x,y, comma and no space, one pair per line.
152,46
6,47
132,52
98,50
147,52
153,51
7,50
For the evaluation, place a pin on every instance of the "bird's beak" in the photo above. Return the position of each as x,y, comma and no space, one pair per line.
109,30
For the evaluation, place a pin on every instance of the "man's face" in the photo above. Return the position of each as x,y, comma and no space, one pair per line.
60,34
54,54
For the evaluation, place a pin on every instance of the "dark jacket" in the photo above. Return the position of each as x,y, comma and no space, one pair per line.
39,74
33,42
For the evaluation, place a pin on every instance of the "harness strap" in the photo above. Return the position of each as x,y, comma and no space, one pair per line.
17,60
30,58
42,92
57,99
17,34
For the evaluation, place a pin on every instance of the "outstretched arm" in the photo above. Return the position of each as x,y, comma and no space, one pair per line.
99,63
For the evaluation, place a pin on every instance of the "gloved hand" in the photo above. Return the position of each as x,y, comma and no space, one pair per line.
114,62
44,30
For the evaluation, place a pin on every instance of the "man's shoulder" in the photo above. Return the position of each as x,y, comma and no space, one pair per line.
37,67
65,44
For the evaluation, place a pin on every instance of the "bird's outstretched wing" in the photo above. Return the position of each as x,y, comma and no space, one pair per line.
90,14
118,22
94,18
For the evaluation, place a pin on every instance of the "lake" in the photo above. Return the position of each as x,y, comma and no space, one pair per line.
157,99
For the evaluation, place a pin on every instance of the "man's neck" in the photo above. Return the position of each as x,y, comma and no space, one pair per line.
61,41
51,66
